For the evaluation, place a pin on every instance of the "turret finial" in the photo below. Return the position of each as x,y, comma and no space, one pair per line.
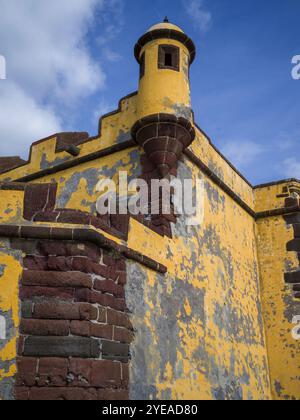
166,20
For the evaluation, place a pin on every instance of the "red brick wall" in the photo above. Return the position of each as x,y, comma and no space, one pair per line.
75,332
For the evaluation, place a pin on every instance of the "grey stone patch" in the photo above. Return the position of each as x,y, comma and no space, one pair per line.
166,395
165,325
235,325
216,169
143,392
261,321
292,306
90,175
9,326
7,389
8,211
123,136
278,388
11,252
45,164
262,377
231,392
216,200
15,219
180,110
225,385
134,163
183,111
245,378
2,269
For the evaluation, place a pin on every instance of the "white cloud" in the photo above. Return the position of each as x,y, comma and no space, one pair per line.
201,17
242,153
291,168
22,120
103,108
111,55
49,65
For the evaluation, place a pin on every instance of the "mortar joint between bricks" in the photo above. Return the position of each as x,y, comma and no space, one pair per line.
101,257
37,366
98,313
122,373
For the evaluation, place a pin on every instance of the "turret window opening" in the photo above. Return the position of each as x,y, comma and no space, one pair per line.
168,57
168,60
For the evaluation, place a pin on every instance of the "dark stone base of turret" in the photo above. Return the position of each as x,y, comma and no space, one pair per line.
163,137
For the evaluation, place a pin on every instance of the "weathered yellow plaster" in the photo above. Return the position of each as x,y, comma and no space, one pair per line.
166,91
218,325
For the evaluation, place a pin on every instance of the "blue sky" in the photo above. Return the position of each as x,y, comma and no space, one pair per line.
72,60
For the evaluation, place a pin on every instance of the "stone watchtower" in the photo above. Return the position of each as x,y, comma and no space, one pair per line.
164,127
131,306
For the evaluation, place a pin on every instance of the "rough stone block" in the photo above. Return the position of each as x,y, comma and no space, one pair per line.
114,351
61,347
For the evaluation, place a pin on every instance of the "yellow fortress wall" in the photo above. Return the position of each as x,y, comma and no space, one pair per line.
210,305
280,307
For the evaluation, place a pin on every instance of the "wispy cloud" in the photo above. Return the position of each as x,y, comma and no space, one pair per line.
103,108
112,19
242,153
50,67
291,168
111,55
201,17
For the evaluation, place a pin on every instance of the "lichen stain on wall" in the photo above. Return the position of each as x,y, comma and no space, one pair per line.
10,271
200,330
